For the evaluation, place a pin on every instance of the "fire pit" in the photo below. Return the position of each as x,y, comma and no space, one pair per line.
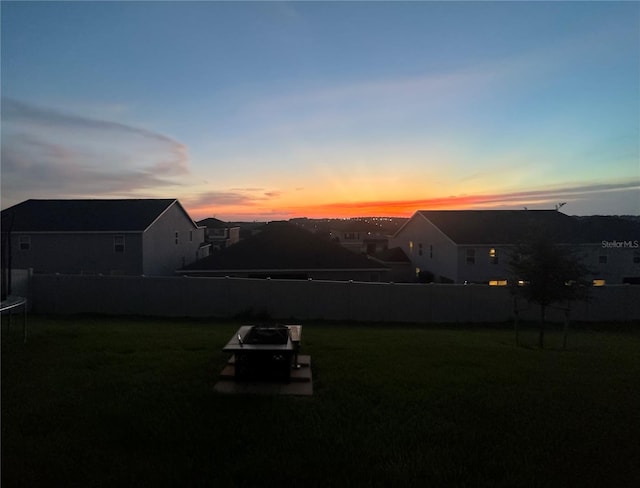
266,335
262,352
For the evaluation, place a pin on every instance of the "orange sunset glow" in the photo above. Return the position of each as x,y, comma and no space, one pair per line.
290,208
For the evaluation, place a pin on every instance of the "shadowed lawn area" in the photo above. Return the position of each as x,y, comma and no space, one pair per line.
121,402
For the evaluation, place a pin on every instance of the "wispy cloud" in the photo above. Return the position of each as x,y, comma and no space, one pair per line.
220,199
47,152
223,202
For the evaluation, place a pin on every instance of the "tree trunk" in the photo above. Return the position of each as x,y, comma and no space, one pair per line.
565,331
541,336
516,321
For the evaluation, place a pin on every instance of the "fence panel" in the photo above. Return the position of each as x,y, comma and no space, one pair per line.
309,299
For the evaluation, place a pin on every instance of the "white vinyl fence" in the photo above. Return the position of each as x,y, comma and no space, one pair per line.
310,299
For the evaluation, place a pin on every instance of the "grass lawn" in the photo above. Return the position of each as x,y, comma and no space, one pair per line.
92,401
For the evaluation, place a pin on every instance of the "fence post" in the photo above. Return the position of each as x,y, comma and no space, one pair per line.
350,300
309,295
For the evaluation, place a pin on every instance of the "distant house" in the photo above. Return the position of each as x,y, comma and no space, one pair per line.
359,236
220,234
111,237
282,250
473,246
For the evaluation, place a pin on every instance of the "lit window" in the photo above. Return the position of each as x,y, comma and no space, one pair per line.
25,243
417,271
598,282
471,256
411,247
498,283
493,256
118,243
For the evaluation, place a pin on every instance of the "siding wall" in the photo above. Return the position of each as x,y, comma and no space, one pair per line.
90,253
483,270
442,262
162,256
307,300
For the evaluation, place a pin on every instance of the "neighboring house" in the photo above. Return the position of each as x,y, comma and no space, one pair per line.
282,250
400,267
473,246
220,234
111,237
359,236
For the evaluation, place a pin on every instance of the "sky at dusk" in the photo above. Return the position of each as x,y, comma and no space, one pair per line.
270,110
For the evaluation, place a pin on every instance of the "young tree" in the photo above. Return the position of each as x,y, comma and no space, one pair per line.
545,273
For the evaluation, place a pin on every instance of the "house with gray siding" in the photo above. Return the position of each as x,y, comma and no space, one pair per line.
359,236
220,234
112,237
474,246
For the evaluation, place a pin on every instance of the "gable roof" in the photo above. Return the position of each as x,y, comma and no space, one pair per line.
597,228
213,223
131,215
283,246
511,226
393,255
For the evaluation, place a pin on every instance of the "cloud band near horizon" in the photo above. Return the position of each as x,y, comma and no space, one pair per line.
49,152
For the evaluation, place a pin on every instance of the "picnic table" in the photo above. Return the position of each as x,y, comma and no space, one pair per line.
263,352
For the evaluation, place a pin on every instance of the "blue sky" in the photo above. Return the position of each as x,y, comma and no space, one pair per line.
268,110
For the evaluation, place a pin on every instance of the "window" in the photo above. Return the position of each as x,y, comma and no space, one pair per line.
471,256
636,258
25,243
431,251
598,282
602,259
410,247
118,243
190,236
493,256
176,237
420,249
498,283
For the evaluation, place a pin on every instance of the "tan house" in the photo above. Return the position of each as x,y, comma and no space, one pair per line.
473,246
110,237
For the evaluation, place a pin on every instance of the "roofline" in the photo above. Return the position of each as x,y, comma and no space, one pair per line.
419,213
175,201
438,228
404,225
277,270
512,244
16,232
